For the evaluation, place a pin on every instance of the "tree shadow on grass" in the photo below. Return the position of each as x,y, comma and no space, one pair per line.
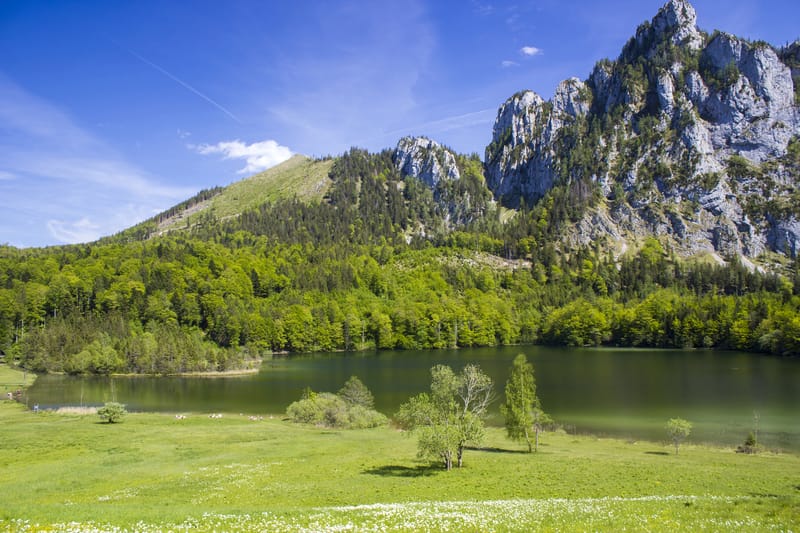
495,450
402,471
657,453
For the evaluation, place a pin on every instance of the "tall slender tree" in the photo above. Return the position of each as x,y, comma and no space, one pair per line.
522,409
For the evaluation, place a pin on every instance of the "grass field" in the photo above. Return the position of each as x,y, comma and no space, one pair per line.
12,379
156,472
298,177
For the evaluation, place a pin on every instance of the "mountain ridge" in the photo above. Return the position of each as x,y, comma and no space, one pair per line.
683,135
691,137
571,232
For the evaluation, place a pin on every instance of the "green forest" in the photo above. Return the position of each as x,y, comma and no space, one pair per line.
381,262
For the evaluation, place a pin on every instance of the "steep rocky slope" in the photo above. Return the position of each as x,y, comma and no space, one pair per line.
457,182
691,136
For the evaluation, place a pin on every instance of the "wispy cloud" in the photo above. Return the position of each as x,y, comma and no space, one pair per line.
82,230
25,114
508,64
60,182
102,171
259,156
180,82
482,8
455,122
530,51
329,99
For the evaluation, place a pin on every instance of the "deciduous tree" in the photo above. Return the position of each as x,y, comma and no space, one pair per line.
451,416
522,409
678,429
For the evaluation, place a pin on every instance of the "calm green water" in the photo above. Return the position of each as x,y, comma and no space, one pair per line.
627,393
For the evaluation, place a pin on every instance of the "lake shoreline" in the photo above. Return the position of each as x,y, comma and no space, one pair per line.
588,436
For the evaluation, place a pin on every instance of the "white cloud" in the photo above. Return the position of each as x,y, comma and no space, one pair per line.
259,156
530,51
369,76
507,64
97,173
456,122
482,9
61,183
82,230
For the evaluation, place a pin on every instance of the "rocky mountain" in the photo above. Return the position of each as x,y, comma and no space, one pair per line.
457,182
690,136
426,160
693,137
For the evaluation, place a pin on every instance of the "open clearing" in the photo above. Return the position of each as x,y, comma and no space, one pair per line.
156,472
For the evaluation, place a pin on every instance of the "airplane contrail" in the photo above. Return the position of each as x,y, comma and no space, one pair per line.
179,81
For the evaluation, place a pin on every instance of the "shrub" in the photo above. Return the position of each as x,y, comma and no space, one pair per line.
112,412
337,411
750,444
355,392
678,429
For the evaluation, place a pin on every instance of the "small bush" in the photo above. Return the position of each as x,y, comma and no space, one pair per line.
112,412
355,392
750,444
678,430
350,409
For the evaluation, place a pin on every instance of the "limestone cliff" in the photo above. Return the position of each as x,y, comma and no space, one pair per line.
456,182
690,136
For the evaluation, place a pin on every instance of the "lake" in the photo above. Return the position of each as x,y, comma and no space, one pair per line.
625,393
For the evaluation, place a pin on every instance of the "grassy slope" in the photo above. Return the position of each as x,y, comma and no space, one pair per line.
299,177
12,379
154,468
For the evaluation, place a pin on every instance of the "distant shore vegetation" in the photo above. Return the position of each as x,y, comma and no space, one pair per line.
373,266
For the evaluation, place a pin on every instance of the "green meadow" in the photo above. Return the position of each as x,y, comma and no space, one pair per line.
155,472
12,379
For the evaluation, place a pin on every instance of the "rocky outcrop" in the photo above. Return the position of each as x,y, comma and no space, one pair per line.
520,161
426,160
459,192
693,129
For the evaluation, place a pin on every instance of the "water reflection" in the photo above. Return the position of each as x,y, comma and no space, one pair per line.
619,392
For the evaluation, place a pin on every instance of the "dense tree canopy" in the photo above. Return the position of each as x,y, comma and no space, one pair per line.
382,262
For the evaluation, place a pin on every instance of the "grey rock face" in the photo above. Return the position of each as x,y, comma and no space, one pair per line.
715,98
519,162
784,236
679,19
426,160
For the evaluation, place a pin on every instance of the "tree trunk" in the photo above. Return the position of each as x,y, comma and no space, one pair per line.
528,440
536,430
460,456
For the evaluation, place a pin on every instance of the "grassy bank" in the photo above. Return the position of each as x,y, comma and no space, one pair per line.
155,472
12,379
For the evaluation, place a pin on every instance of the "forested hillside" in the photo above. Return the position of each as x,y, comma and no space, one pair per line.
654,204
377,263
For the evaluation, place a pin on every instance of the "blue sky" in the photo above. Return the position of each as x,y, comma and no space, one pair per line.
111,111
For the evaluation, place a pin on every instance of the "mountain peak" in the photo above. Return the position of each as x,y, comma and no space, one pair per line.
688,137
426,160
678,19
674,24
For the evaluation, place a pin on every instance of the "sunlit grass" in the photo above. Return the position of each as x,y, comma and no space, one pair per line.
156,472
12,379
298,177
